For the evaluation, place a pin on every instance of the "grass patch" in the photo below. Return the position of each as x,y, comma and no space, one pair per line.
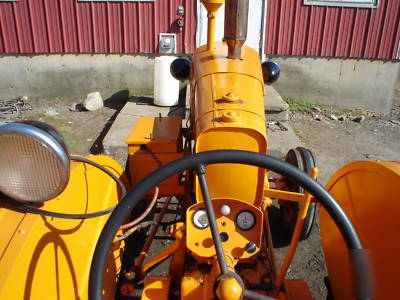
298,105
348,132
296,130
65,128
293,102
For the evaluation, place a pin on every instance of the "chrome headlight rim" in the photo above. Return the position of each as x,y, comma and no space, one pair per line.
48,137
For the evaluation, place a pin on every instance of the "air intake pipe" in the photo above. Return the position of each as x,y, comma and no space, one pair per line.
235,33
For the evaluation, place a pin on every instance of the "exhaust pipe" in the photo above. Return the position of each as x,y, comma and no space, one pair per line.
235,31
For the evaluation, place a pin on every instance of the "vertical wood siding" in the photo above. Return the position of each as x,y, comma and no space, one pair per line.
69,26
296,29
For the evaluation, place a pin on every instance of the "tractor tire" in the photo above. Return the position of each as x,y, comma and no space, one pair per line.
303,159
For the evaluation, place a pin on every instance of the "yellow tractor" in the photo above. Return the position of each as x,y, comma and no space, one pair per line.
72,227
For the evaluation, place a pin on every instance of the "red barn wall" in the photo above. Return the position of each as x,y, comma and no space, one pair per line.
293,28
69,26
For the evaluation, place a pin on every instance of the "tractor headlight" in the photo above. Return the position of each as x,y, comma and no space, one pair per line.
34,162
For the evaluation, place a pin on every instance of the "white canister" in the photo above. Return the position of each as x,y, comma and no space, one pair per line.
166,87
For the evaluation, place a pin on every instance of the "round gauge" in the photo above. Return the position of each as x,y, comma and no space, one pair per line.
200,219
245,220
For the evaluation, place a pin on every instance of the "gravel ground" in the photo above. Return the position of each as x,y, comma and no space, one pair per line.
334,144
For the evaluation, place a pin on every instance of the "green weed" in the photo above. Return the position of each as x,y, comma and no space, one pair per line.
298,104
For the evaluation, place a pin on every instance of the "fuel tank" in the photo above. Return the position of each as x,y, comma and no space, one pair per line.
228,100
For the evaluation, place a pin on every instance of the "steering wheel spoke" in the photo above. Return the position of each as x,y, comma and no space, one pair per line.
201,174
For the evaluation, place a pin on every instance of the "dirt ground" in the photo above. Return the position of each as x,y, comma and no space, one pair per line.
82,130
333,142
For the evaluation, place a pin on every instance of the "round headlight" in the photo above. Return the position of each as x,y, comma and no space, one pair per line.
34,162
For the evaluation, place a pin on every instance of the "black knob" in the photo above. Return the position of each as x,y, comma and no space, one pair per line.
271,71
180,68
224,236
250,248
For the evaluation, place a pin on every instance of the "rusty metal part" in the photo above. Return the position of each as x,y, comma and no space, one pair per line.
135,228
140,259
235,32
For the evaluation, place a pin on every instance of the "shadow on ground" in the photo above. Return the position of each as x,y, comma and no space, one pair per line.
117,101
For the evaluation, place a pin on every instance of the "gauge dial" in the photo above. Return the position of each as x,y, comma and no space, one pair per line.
245,220
200,219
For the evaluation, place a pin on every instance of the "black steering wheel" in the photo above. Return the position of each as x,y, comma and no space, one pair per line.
198,162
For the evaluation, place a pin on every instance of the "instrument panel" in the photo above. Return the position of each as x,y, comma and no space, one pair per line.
239,224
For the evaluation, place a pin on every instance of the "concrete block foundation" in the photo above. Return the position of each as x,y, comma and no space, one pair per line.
339,82
74,76
347,83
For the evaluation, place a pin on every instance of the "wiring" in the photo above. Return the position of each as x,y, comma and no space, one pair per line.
145,213
104,169
146,224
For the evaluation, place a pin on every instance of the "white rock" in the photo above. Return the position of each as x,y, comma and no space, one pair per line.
333,118
50,112
318,118
93,101
73,107
23,98
316,108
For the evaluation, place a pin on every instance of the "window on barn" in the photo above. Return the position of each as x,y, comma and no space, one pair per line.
344,3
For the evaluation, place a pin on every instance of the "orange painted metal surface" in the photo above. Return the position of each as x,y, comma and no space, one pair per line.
178,234
152,142
198,285
49,258
229,114
200,242
156,287
297,289
368,191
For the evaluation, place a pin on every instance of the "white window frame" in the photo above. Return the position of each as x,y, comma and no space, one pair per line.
344,3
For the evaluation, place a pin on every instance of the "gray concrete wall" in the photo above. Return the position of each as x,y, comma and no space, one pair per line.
344,83
340,82
73,76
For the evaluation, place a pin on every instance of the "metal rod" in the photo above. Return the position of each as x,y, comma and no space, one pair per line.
296,234
211,31
256,296
201,171
143,254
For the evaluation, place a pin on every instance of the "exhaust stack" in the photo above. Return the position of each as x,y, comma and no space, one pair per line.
235,31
